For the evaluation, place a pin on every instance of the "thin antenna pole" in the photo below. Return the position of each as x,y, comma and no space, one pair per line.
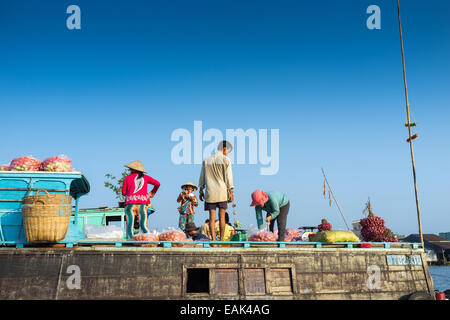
337,204
409,127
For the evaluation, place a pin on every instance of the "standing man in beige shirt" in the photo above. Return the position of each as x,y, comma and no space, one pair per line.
217,177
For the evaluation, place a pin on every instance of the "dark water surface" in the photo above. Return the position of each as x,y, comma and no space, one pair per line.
441,277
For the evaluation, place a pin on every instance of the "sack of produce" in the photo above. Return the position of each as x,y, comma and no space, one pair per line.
25,163
324,226
289,234
335,236
60,163
149,236
4,167
261,235
172,234
387,236
372,227
374,230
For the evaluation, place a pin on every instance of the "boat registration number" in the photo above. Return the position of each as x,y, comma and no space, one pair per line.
402,260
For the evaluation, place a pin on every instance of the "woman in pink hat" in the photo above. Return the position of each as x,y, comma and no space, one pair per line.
276,204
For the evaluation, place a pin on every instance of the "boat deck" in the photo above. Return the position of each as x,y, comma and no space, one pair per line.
207,244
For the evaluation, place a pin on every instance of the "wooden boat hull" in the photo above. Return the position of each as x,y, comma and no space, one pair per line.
99,272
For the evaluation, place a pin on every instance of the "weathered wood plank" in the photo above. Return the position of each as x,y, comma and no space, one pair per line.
254,281
281,280
226,281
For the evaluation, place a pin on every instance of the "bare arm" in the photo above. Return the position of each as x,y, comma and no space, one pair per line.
202,182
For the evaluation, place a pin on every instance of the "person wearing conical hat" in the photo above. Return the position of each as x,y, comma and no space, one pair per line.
188,201
137,197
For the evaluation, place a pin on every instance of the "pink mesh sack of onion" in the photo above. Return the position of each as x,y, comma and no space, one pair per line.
261,235
289,235
374,230
149,236
4,167
59,163
172,234
25,163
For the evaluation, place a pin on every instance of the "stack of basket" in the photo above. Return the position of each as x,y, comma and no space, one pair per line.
46,217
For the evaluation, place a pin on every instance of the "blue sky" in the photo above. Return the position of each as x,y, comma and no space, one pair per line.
114,92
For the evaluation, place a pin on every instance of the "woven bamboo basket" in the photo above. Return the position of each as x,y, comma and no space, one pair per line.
46,217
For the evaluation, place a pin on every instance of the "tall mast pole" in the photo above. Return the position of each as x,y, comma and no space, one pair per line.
409,125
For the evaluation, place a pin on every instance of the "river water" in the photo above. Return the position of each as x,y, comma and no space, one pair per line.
441,277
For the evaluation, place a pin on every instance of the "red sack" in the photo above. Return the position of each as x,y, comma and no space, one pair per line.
25,163
372,228
57,164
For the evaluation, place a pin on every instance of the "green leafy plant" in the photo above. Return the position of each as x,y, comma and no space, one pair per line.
116,184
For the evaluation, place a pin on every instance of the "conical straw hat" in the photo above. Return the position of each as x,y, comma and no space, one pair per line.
189,184
136,165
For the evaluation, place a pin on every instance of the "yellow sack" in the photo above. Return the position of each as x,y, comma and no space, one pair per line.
335,236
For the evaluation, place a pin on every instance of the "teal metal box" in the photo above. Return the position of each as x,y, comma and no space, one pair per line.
100,217
14,185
